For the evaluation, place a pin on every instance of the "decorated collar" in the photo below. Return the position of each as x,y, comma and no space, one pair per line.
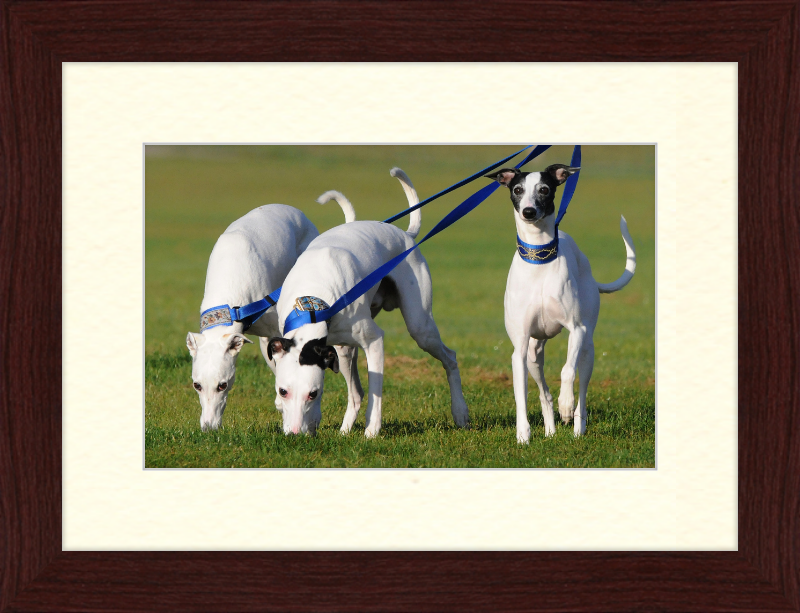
538,254
216,316
224,315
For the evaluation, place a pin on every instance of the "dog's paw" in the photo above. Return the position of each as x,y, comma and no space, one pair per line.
461,418
580,426
372,433
566,407
524,435
549,431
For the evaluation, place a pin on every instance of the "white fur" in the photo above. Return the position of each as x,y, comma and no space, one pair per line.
333,263
541,300
249,260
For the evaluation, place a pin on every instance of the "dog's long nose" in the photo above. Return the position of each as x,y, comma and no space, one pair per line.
529,212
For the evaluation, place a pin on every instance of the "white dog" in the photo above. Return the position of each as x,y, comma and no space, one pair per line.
549,290
250,260
333,263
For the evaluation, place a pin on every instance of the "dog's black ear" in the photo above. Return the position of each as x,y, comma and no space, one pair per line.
561,172
330,359
278,346
504,177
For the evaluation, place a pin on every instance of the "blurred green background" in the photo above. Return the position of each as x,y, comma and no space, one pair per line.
192,193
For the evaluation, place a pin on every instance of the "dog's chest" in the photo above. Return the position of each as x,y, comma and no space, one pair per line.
538,297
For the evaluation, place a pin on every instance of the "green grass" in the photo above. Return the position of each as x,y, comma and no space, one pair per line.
193,193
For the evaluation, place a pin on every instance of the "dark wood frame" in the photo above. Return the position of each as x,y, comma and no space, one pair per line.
762,36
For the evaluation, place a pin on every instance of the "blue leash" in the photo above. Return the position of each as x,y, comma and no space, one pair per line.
297,318
470,179
543,254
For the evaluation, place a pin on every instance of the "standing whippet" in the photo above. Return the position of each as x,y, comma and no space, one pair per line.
550,287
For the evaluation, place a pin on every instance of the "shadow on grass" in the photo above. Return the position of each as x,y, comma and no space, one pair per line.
478,423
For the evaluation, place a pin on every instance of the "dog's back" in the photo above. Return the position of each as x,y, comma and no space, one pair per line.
255,253
341,257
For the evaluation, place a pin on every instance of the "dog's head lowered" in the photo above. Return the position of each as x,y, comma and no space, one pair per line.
300,364
214,371
533,193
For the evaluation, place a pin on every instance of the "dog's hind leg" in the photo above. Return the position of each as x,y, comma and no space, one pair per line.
430,341
413,283
348,365
585,367
536,368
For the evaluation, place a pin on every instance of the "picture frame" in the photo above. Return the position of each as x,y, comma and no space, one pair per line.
37,575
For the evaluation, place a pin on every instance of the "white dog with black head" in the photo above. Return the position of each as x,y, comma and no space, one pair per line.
548,291
333,264
249,260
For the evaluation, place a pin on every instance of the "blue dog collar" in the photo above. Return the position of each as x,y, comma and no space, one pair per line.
224,315
538,254
216,316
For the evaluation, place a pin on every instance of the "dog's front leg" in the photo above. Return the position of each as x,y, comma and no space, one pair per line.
566,399
536,368
585,367
348,365
371,341
520,376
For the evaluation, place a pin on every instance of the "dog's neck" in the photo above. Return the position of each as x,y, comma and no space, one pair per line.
308,332
538,232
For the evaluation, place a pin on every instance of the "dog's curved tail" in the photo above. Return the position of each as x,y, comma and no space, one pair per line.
347,208
630,263
415,218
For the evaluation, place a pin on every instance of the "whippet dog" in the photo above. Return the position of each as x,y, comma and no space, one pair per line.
249,260
331,265
549,290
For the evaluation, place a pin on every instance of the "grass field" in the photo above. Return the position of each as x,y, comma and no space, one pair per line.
193,193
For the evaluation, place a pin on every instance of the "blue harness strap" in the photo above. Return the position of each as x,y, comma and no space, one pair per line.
544,254
298,318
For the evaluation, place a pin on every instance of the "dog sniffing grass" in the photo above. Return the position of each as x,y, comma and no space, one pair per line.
190,201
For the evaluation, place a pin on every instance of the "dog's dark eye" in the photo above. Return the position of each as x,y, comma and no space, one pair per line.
198,387
312,395
518,190
282,392
222,386
544,190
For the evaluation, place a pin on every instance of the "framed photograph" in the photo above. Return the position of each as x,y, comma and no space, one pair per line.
72,539
202,200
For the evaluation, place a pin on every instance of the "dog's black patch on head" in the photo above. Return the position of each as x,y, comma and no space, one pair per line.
317,352
518,178
278,344
516,199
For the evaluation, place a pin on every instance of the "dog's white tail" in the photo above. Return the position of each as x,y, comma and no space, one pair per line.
630,263
347,208
415,218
